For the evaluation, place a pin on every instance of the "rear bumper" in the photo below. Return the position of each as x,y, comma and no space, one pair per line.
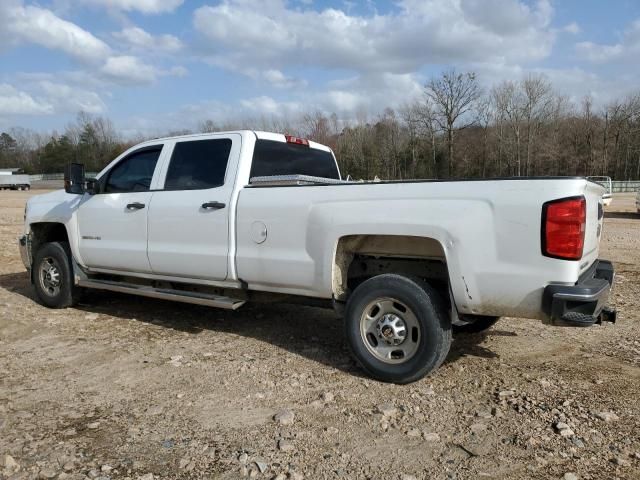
582,304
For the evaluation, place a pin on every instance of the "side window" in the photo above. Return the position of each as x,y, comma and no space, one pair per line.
198,164
134,173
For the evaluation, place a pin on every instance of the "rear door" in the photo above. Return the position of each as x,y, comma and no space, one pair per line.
189,216
112,225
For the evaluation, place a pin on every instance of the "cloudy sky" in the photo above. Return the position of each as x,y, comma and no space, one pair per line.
152,65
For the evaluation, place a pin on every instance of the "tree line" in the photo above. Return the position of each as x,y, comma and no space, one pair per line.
90,140
455,130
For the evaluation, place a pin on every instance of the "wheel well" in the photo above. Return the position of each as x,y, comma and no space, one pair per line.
359,257
44,232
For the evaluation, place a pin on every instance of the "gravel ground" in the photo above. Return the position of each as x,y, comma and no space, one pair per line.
126,387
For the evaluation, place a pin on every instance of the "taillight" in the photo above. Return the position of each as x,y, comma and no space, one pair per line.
297,140
563,227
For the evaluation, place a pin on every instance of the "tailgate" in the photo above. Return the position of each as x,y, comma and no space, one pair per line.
595,216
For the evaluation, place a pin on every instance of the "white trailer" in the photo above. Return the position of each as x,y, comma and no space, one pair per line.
14,179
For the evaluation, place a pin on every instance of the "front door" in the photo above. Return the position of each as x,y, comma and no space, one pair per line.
112,224
189,217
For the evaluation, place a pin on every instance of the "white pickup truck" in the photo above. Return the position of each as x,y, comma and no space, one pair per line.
223,219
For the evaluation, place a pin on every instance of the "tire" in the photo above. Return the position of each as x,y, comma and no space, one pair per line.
378,312
480,324
53,276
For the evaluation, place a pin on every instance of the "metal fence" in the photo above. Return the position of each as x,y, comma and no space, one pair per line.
625,186
54,176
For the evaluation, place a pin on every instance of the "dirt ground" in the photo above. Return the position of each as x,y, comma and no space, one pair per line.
127,387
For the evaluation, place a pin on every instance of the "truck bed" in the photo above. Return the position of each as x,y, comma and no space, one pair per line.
488,231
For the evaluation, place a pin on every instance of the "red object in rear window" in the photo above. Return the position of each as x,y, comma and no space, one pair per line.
297,140
563,227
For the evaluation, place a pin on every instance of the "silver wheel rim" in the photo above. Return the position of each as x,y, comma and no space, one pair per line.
390,330
50,276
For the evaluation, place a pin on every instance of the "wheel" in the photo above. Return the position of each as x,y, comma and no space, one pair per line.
397,328
53,276
479,324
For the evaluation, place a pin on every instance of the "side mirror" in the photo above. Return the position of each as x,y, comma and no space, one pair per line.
74,178
92,186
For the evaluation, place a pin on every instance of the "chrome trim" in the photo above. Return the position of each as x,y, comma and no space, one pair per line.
168,278
196,298
274,180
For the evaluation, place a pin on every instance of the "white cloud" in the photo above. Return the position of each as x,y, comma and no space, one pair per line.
16,102
266,76
42,27
572,28
265,105
368,94
505,17
35,25
627,48
600,53
41,94
130,70
278,79
177,71
141,40
127,69
272,36
371,92
383,52
144,6
71,99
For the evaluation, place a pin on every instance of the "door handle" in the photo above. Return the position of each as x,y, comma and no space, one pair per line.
135,206
213,205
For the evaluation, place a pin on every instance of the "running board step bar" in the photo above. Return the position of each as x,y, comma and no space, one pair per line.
197,298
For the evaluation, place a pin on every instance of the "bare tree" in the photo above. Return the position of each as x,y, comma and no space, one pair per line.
317,127
485,116
511,102
588,132
410,115
208,126
538,102
430,129
453,96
